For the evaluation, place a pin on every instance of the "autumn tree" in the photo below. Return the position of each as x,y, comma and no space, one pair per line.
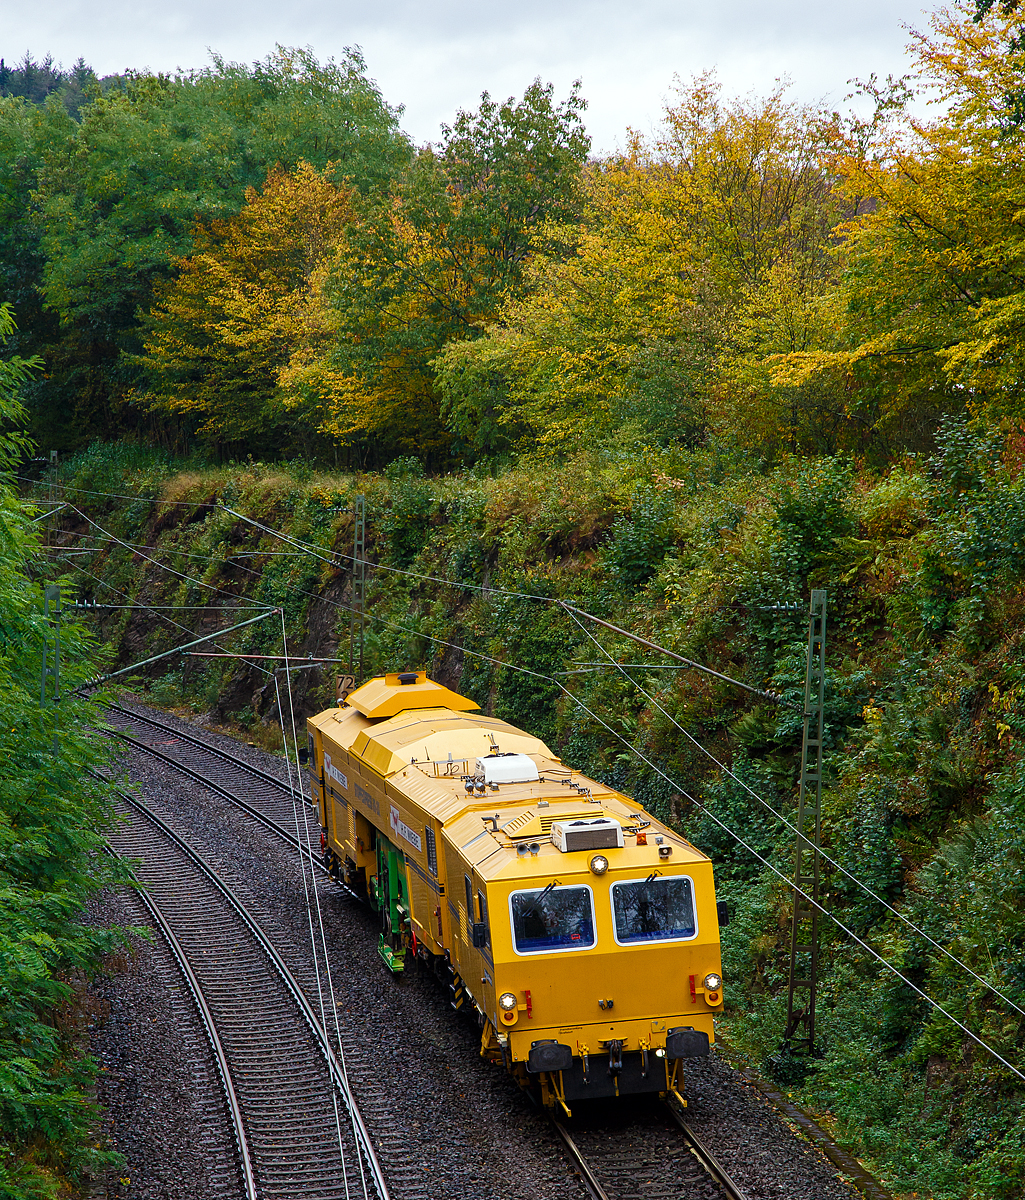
682,240
220,333
430,261
929,311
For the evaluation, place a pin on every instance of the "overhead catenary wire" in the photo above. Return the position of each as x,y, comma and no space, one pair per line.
174,550
331,558
313,938
160,610
466,585
312,887
805,896
803,837
163,566
726,829
687,662
575,613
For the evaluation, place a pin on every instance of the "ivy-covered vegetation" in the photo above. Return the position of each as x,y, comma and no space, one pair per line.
925,721
52,816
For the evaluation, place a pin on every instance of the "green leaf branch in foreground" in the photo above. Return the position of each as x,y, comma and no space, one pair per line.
52,819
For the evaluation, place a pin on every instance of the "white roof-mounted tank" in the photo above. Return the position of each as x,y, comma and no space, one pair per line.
587,833
507,768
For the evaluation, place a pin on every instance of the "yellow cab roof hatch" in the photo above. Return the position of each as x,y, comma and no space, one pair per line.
388,695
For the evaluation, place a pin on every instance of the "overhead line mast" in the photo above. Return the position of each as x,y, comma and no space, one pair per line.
799,1033
357,619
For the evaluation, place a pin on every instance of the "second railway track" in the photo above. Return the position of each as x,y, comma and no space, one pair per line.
645,1151
298,1131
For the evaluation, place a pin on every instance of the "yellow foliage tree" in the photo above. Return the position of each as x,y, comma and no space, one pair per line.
242,305
930,310
430,262
667,289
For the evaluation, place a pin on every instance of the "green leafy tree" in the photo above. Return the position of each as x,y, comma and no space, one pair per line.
429,262
118,196
52,816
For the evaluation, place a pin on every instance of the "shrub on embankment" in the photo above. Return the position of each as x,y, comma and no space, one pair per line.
925,703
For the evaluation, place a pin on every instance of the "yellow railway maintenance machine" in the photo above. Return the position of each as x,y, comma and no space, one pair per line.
585,933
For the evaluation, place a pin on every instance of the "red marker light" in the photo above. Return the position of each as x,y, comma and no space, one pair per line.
693,989
530,1009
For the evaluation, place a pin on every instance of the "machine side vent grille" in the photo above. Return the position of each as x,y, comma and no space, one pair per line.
518,823
546,822
432,851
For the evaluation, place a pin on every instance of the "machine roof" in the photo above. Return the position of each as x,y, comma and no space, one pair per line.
387,695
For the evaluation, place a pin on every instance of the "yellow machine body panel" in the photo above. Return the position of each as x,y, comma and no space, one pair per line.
465,806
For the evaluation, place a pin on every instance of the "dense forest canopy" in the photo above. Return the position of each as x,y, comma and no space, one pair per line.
793,278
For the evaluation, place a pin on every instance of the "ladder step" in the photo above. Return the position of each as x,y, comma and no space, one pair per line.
807,983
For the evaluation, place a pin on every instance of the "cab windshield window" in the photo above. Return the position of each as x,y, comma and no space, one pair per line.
559,918
653,910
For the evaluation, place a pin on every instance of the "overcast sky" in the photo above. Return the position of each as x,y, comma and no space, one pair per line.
435,58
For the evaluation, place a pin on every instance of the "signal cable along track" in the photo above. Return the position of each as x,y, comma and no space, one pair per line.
641,1153
302,1132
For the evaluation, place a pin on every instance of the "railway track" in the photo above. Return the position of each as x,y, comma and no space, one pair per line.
297,1128
650,1151
284,813
267,797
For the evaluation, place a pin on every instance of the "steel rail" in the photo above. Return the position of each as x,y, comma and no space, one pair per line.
700,1152
210,1029
590,1180
205,781
706,1158
192,740
299,997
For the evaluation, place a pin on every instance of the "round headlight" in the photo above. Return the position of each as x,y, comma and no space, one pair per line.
712,982
599,864
507,1001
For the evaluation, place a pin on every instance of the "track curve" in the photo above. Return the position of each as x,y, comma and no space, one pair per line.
303,1133
643,1154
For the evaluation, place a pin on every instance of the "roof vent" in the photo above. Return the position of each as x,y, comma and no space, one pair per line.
507,768
407,677
599,833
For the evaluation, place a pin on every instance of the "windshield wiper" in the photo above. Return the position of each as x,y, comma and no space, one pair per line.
533,904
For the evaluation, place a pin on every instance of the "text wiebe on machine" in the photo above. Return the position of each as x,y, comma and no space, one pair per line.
332,772
403,830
